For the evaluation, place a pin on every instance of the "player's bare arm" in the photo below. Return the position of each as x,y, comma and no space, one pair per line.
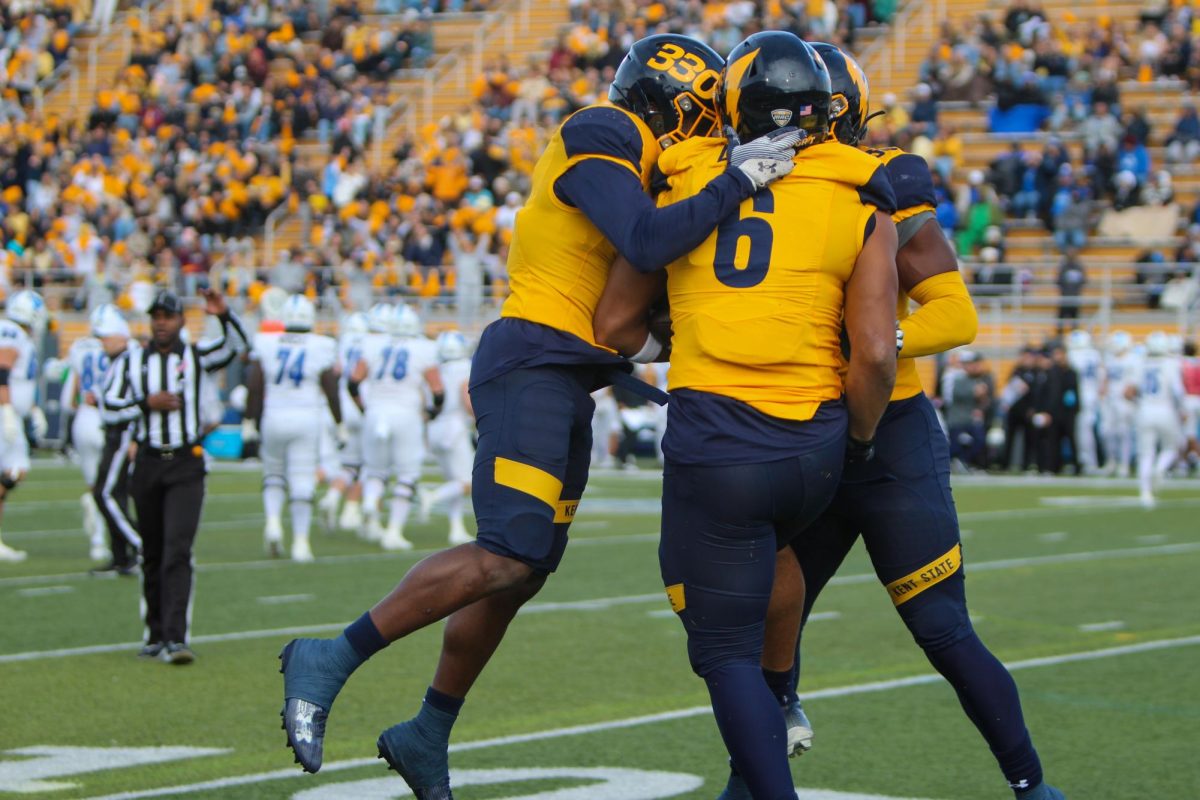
871,325
622,319
329,387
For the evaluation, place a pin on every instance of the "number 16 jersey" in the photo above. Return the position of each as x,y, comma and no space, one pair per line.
292,364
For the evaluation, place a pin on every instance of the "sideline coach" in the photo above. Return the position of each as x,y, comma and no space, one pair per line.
166,380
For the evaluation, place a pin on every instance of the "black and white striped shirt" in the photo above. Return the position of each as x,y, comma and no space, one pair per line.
182,370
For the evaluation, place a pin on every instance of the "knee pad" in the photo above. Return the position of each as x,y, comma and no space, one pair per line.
274,482
403,491
9,480
937,618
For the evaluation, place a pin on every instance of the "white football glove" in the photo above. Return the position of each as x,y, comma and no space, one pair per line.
10,423
768,158
37,421
249,431
899,337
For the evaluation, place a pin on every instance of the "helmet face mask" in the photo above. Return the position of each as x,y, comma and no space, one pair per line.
670,82
774,80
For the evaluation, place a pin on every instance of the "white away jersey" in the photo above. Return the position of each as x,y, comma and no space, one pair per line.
292,364
1119,373
454,374
22,380
1089,366
396,370
1160,384
89,364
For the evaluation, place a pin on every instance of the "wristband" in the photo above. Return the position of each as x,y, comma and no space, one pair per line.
859,451
352,388
651,350
4,373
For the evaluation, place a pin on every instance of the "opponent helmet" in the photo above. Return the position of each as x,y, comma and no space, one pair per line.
271,303
451,346
1119,342
355,324
105,320
298,314
27,308
774,80
379,318
1157,344
405,322
849,106
670,82
1079,339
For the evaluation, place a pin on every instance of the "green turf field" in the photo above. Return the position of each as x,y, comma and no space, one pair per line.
1094,601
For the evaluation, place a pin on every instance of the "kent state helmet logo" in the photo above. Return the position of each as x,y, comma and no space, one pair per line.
781,116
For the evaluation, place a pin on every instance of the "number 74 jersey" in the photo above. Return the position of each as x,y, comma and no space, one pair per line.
292,364
756,309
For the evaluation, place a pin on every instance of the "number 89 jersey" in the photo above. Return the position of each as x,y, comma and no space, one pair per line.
396,369
89,363
756,309
292,364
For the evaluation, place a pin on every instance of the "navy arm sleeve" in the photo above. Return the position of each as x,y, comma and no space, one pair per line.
649,237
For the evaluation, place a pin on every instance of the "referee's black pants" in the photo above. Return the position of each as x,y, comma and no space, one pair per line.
111,493
168,494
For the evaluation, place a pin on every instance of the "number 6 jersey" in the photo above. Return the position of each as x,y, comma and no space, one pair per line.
756,309
292,364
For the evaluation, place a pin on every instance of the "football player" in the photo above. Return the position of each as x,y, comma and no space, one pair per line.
450,435
26,316
1121,365
396,367
1161,406
900,501
757,429
1191,384
346,484
87,364
1089,366
291,380
530,386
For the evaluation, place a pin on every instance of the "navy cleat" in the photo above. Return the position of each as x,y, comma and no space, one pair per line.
1043,791
799,730
424,765
313,674
736,789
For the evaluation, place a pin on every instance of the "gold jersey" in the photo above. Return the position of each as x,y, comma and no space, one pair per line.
756,309
913,186
558,263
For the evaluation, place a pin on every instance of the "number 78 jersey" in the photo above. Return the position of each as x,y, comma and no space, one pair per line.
292,364
756,309
396,369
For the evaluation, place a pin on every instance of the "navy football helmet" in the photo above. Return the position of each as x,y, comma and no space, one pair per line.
670,82
774,80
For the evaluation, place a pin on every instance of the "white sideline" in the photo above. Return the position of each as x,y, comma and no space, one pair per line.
650,719
602,603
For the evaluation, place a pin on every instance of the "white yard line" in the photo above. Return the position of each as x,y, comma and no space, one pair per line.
605,603
45,591
1101,627
652,719
285,599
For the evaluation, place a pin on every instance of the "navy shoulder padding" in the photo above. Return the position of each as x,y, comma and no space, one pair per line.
603,132
911,181
878,191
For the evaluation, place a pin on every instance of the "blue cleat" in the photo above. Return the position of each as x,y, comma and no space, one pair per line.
423,764
799,730
736,789
314,671
1043,791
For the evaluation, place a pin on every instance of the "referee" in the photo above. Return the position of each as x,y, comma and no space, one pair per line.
167,381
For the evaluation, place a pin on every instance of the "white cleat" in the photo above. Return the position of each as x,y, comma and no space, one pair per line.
328,509
100,553
10,555
302,553
394,540
799,730
273,537
1148,501
371,530
351,518
460,535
